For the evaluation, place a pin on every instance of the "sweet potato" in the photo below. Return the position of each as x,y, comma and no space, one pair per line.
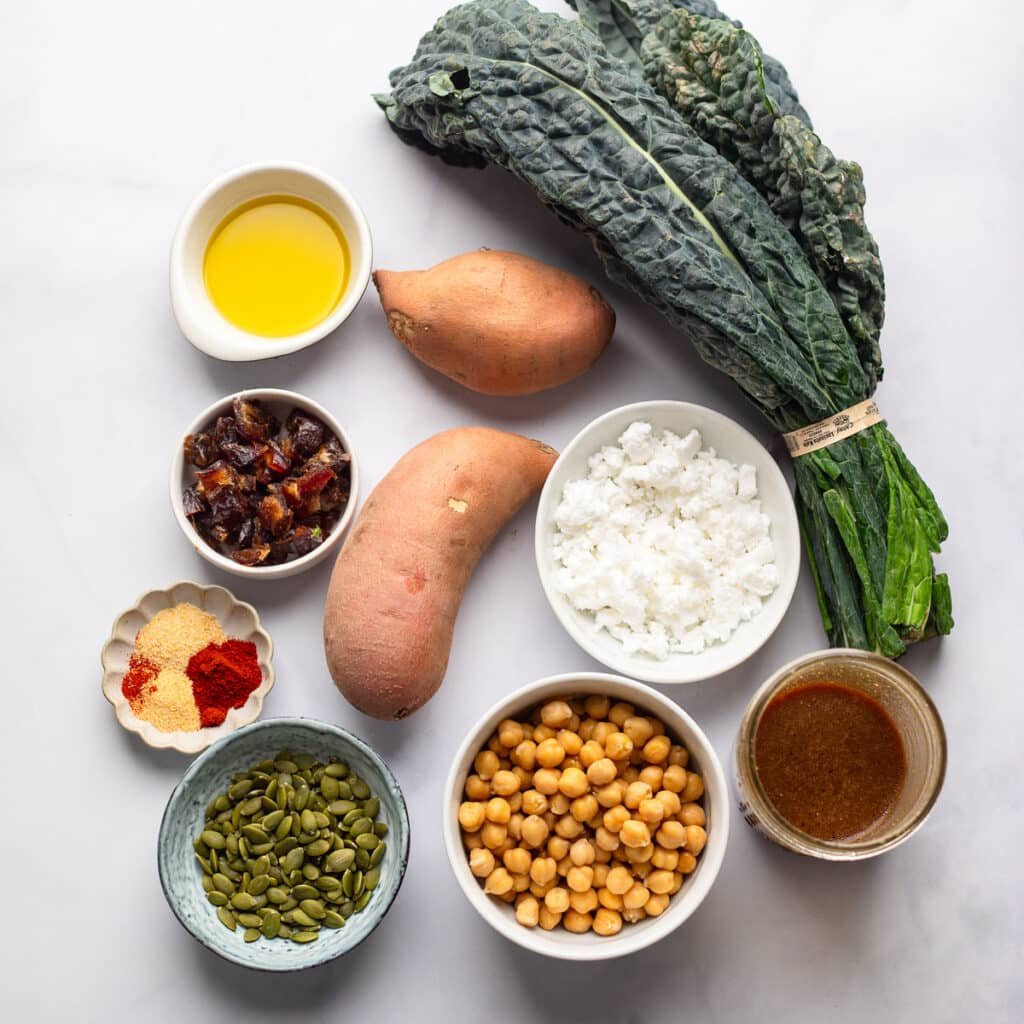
398,580
497,322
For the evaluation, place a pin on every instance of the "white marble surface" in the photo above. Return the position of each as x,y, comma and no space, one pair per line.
112,116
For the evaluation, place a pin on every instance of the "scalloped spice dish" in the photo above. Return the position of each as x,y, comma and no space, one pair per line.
185,673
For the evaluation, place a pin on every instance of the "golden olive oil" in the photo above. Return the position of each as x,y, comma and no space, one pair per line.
276,266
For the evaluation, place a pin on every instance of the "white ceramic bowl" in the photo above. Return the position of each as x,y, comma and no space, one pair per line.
730,441
238,619
197,316
560,943
280,403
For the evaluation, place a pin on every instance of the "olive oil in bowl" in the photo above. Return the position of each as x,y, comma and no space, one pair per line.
276,266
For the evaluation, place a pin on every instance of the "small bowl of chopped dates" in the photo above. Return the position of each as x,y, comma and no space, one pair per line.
264,484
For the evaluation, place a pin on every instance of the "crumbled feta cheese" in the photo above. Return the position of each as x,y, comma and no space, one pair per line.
664,543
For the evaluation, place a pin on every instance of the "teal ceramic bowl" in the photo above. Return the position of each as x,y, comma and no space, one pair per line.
209,775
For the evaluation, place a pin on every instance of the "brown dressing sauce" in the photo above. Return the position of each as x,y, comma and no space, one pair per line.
830,759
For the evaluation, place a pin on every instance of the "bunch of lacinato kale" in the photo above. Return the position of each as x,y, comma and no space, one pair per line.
662,131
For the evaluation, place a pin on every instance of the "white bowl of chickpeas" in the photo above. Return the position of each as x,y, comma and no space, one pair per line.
586,816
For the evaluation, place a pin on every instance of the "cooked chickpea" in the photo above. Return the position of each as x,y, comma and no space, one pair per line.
633,916
570,741
583,902
656,904
527,911
586,729
674,778
600,874
677,883
517,861
568,827
607,922
498,882
618,746
534,831
635,834
558,847
543,870
619,880
545,780
556,714
671,835
548,919
472,815
497,810
515,826
559,804
515,802
582,852
505,782
534,802
693,790
472,840
602,771
665,860
540,891
636,793
493,835
486,764
602,731
609,796
657,749
636,897
601,856
573,783
573,921
589,754
630,773
652,774
563,866
525,777
639,854
651,811
481,862
658,882
550,753
525,755
477,788
510,733
615,818
670,801
608,899
557,900
679,755
692,814
541,733
579,879
597,707
606,840
584,808
618,713
686,863
520,883
641,871
696,839
638,729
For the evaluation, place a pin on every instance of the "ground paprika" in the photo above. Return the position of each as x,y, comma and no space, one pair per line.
223,676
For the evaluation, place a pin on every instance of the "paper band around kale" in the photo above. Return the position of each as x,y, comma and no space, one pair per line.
497,82
832,429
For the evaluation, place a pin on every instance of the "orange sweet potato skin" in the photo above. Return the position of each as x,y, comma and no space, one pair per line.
399,579
497,322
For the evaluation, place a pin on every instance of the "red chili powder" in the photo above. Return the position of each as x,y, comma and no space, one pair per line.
223,676
140,672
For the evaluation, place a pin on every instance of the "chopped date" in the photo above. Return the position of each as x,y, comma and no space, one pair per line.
264,494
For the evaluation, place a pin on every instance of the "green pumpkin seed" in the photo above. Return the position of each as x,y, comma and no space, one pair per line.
313,908
252,806
255,835
362,859
284,825
226,918
360,826
270,822
347,908
300,917
359,884
250,920
208,884
339,860
223,884
285,766
251,934
271,924
271,791
200,847
367,840
342,807
354,815
380,828
363,900
213,840
289,904
377,855
305,892
240,789
310,872
329,787
259,885
205,865
336,770
261,849
348,883
284,932
261,866
214,861
275,894
218,899
285,846
243,901
328,883
318,847
371,807
301,797
243,848
306,936
293,860
332,919
371,878
360,790
308,820
304,761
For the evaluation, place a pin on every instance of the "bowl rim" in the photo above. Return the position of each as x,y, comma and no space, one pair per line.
692,894
231,343
669,672
202,738
197,766
284,569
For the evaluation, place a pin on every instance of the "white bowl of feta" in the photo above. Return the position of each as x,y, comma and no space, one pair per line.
667,542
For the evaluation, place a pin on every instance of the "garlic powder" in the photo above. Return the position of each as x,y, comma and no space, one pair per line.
665,543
